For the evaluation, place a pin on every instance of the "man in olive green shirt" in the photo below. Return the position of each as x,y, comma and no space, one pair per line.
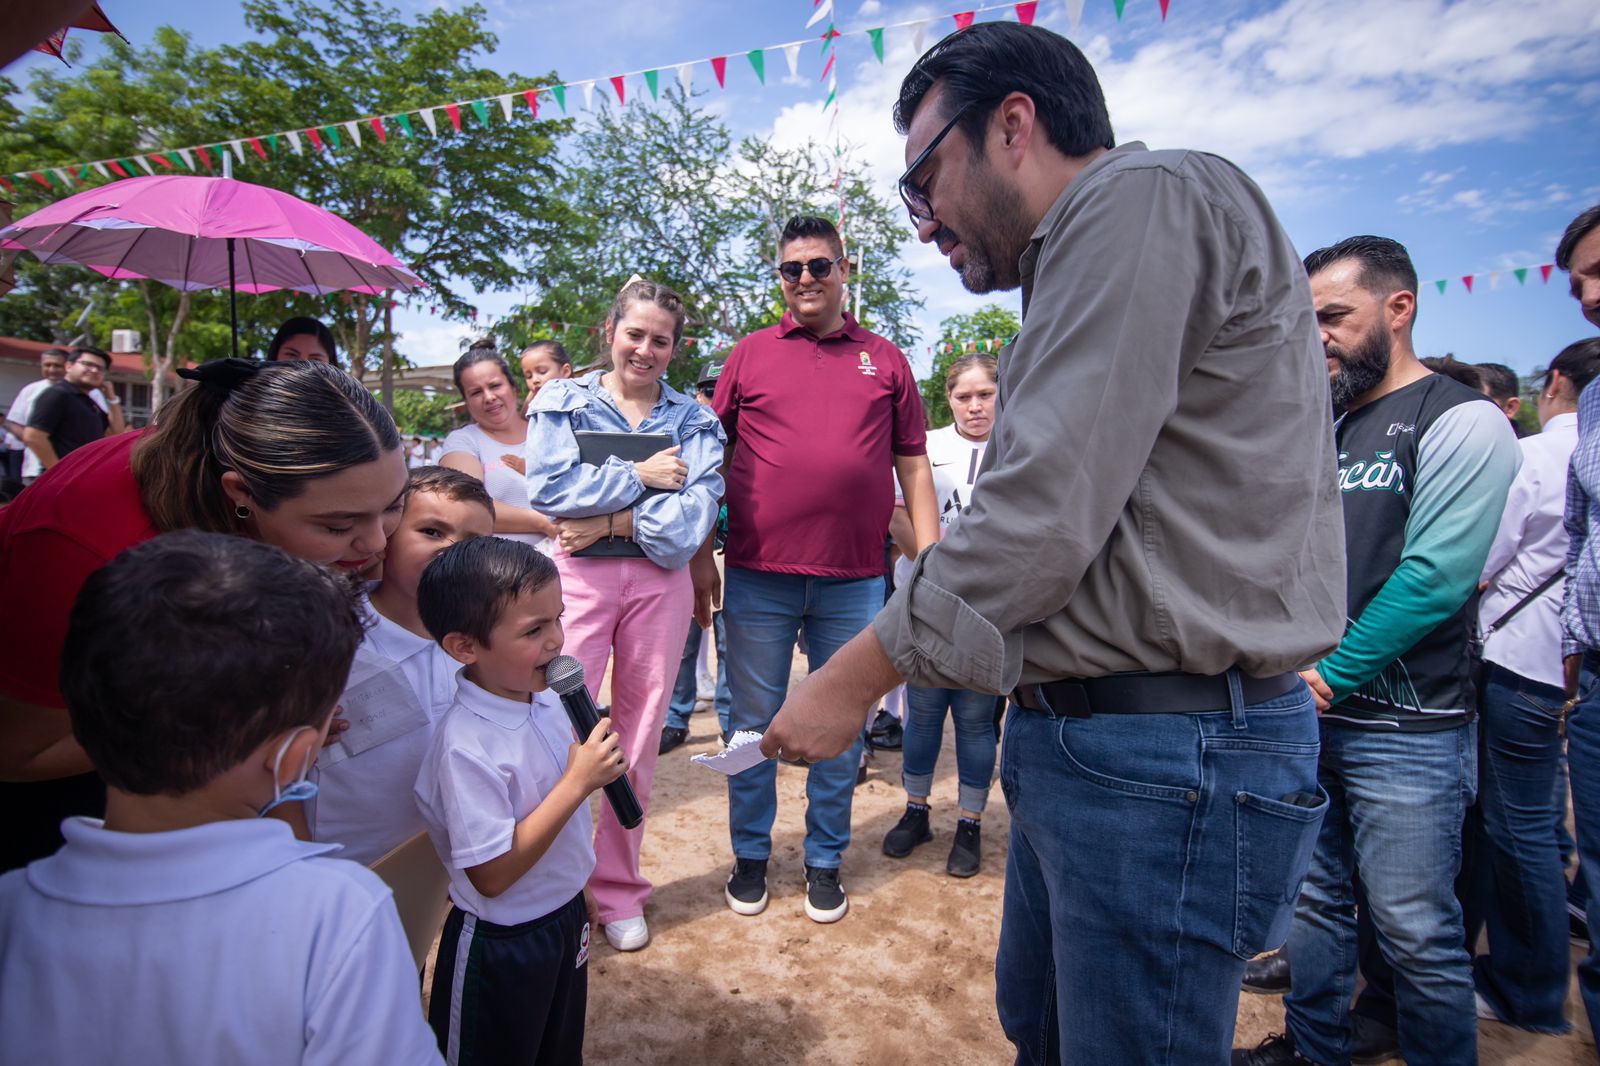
1153,549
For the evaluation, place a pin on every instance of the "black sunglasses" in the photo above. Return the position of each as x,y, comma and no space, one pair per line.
913,195
707,391
820,268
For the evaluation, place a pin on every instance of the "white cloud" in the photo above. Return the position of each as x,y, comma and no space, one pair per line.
870,9
426,341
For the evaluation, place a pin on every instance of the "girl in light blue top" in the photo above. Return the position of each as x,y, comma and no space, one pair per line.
635,610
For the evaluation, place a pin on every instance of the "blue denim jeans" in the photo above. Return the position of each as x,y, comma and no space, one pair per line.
765,613
1396,807
684,689
1583,763
1514,883
1151,855
977,739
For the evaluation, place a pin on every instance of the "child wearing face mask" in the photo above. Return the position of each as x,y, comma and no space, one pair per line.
200,672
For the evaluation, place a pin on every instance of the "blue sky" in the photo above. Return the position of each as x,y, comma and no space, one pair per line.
1469,130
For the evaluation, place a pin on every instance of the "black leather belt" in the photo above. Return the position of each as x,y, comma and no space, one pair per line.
1146,694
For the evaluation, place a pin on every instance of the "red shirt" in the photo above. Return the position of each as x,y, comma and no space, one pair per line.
72,521
816,424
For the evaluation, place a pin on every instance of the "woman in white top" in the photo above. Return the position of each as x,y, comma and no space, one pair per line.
491,448
955,453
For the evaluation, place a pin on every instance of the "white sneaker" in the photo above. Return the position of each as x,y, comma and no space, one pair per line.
628,934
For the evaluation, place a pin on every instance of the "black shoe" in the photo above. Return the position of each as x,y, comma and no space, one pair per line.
747,887
1577,925
1276,1050
825,900
861,775
911,830
886,732
671,737
1372,1042
966,852
1268,975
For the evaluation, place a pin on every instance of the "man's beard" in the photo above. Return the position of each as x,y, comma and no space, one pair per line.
995,241
1362,368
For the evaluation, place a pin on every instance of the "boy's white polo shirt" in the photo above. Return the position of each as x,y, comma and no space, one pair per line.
228,942
400,685
491,762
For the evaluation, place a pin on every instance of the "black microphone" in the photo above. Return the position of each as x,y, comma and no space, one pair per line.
565,675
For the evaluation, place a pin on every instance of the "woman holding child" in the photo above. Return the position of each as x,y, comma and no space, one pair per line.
296,454
631,609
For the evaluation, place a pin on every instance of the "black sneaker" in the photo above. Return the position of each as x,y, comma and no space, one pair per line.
1276,1050
1372,1042
966,852
886,732
1268,975
747,887
911,830
825,900
1577,925
671,737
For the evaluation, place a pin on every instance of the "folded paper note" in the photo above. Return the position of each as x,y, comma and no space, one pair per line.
743,751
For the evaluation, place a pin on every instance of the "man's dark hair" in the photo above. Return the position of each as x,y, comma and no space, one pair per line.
186,653
80,352
1577,230
1501,381
466,589
451,484
1385,264
801,227
986,63
1447,365
1578,363
302,326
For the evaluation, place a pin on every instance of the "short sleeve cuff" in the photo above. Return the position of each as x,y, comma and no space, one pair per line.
935,639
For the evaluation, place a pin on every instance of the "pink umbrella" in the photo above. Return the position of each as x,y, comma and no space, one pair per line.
204,233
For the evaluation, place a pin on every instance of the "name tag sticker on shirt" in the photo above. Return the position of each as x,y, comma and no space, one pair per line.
379,704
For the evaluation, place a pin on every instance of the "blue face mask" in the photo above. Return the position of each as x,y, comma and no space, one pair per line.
300,789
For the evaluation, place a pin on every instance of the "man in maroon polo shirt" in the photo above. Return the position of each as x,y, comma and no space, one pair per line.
819,412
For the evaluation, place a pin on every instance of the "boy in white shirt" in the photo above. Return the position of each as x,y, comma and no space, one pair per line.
400,683
200,672
505,791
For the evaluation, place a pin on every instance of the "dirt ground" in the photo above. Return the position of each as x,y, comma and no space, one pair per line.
906,977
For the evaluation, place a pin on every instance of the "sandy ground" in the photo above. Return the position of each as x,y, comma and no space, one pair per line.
906,977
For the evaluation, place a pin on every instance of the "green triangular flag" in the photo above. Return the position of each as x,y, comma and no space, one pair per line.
272,143
481,109
1442,282
829,101
1120,5
652,78
83,172
877,43
55,179
560,93
405,123
759,62
127,164
178,161
331,135
1522,275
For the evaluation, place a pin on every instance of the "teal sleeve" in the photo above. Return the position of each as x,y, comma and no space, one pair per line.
1465,465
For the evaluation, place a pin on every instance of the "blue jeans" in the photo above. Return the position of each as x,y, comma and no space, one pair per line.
1396,807
1151,855
1583,763
765,612
976,742
1515,884
683,690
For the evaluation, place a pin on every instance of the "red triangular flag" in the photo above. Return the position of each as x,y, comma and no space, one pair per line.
377,127
532,96
117,167
1025,11
9,187
963,19
164,161
828,66
316,139
617,84
719,67
255,142
454,111
41,179
1164,5
1544,272
1466,279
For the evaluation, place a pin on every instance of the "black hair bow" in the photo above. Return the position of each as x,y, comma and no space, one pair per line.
222,376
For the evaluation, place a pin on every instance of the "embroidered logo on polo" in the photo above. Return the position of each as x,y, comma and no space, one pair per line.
1374,475
866,366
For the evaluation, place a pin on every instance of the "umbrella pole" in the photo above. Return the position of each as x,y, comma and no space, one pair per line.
233,301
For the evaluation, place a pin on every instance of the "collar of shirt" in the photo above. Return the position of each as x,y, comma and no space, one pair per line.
569,394
851,330
99,866
1561,422
390,639
508,714
1030,255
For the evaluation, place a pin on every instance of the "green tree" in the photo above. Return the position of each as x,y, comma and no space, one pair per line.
426,413
961,335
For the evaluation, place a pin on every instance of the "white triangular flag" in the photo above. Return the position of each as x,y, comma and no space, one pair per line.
919,37
588,96
791,52
505,106
145,163
188,160
294,142
429,121
1075,13
238,151
355,132
66,181
100,169
823,11
686,78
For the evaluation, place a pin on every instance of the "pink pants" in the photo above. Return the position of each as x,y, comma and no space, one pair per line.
638,615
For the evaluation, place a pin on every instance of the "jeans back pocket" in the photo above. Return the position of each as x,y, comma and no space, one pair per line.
1274,840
